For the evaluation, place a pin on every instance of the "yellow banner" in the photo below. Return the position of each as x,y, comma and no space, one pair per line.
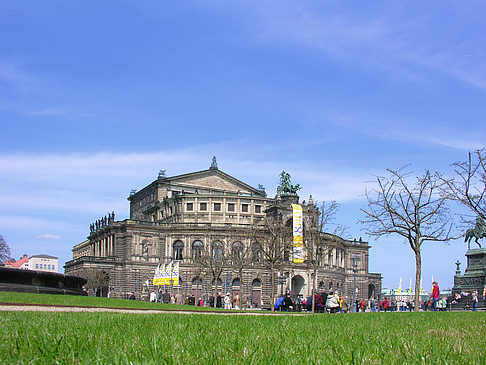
298,239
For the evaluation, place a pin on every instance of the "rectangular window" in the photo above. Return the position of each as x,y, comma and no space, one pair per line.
36,266
244,208
258,208
217,207
53,267
231,207
203,206
189,206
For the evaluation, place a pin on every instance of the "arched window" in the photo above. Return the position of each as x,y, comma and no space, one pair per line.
217,251
178,248
236,283
220,283
197,282
197,247
256,283
237,250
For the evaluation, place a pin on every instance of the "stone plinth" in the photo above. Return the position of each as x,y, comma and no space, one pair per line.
474,276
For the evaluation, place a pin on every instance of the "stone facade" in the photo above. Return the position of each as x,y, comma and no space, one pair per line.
173,216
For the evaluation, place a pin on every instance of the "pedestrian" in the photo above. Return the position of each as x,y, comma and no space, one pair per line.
166,297
435,295
475,300
132,296
227,301
236,301
179,298
332,303
153,296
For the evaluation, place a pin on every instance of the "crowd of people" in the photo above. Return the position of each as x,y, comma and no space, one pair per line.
325,302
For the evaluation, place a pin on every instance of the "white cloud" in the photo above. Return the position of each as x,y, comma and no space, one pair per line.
48,236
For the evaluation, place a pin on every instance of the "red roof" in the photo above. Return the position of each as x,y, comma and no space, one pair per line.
17,264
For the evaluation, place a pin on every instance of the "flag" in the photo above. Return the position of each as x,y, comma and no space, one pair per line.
175,273
168,273
400,286
162,275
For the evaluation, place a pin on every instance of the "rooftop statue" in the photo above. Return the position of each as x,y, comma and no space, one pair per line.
214,164
285,187
478,232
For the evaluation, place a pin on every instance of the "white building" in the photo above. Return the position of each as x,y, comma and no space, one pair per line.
43,263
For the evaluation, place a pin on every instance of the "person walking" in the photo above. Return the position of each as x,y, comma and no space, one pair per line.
227,301
237,301
435,295
475,300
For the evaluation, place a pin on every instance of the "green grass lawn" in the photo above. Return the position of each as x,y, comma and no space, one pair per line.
368,338
12,297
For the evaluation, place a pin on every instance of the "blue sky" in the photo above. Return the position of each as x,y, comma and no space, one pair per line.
97,97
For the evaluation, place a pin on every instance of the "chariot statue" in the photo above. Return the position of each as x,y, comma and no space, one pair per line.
478,232
285,187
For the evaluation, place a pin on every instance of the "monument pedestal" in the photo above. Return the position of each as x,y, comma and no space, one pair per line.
474,276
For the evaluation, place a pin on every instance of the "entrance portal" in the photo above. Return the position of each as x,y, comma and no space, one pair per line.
298,283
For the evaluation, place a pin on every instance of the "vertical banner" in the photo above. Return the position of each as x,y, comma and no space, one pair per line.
175,273
162,275
168,273
297,234
156,275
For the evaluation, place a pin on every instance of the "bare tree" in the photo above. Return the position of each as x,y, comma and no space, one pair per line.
96,279
273,241
468,187
414,210
212,259
4,250
316,242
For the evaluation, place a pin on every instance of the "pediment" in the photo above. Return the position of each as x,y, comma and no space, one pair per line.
215,180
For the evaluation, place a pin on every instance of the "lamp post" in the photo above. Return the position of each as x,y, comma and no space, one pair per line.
355,259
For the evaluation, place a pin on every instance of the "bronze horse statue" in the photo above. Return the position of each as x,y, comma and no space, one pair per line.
478,232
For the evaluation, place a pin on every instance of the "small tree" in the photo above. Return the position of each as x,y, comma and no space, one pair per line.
4,250
316,242
414,210
273,240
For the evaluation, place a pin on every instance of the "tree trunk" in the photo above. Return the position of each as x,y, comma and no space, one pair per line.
272,284
314,291
418,275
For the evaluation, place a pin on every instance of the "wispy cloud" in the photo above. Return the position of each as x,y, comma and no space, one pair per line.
395,38
48,236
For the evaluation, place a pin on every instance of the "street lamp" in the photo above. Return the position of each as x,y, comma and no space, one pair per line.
355,259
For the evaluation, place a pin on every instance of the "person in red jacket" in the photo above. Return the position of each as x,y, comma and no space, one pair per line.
435,295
